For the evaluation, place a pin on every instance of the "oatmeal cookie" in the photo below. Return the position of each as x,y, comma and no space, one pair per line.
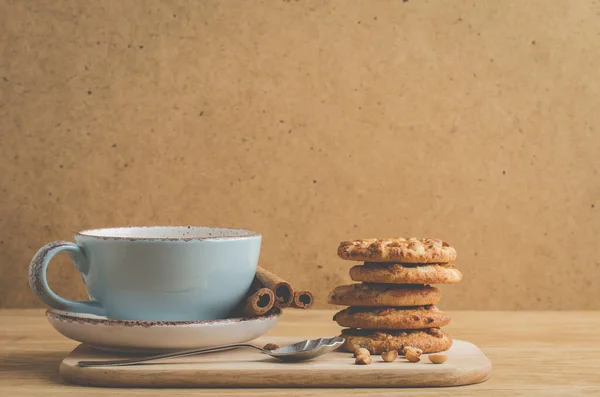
399,249
416,317
384,295
402,273
431,340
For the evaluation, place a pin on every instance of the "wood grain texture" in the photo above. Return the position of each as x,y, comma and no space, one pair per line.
245,368
313,122
533,354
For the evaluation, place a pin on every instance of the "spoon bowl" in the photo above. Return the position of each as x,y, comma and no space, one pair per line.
306,349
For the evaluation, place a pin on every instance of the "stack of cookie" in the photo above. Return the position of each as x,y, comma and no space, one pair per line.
395,304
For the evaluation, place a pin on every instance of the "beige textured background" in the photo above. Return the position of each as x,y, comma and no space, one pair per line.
312,122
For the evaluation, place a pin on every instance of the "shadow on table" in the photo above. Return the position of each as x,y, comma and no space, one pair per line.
32,365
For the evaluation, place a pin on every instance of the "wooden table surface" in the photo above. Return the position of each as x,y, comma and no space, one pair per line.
533,353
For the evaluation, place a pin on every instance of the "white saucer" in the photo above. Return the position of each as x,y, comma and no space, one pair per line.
158,336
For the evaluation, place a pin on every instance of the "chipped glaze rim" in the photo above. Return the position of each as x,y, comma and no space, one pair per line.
84,318
89,233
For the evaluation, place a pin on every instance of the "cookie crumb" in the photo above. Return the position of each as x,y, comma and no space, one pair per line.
362,352
363,360
438,358
389,356
412,356
271,346
414,350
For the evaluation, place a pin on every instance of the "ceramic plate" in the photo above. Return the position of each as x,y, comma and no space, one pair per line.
158,336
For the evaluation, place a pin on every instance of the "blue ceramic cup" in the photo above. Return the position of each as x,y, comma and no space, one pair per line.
158,273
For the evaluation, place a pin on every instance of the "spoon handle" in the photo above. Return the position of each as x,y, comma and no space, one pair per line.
133,361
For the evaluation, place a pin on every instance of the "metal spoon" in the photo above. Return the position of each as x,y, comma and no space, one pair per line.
300,351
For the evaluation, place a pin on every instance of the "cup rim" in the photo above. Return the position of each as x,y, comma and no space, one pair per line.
97,233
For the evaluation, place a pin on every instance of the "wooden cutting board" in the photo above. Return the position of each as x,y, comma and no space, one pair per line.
249,368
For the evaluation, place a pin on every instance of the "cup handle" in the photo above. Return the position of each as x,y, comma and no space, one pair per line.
39,283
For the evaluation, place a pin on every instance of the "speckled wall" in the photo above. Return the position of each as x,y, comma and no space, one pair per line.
312,122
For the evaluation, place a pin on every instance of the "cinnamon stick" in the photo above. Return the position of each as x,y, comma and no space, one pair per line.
284,293
259,302
303,300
